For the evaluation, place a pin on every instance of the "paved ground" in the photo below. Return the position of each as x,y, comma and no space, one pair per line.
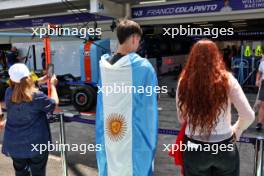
85,165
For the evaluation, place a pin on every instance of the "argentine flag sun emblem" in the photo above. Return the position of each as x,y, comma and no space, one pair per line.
116,127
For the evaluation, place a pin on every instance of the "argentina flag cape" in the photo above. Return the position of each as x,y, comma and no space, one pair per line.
126,118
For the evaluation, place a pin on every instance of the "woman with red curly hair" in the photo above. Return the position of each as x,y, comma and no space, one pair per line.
204,96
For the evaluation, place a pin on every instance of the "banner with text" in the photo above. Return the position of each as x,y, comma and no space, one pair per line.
196,7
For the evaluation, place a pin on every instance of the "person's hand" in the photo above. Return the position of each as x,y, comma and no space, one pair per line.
43,80
53,80
236,132
2,125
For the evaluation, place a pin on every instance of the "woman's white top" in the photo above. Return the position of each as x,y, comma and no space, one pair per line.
224,129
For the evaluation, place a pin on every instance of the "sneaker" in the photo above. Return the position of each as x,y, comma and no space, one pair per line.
259,126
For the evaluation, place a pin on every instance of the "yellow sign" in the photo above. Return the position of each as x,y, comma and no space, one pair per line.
247,51
258,51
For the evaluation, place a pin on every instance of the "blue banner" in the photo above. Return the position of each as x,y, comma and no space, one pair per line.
196,7
61,19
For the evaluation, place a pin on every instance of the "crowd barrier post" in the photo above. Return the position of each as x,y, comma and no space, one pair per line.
62,148
258,168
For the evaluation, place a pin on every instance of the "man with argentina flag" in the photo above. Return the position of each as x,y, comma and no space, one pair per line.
127,116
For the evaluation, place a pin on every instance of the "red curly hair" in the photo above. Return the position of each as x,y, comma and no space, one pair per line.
203,87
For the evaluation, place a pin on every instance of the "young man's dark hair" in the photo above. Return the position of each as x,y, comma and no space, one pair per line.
129,35
126,28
